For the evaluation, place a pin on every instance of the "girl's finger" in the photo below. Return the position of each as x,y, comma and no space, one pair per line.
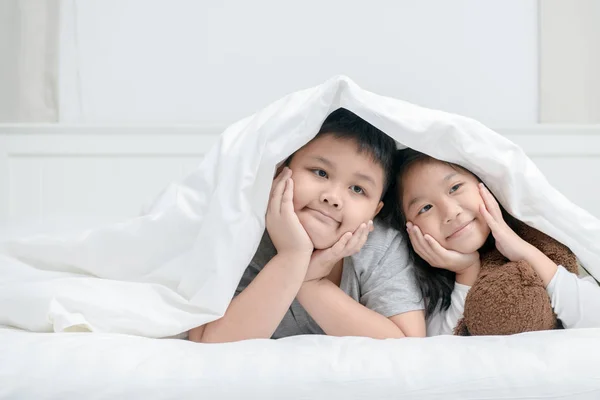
435,257
436,248
415,239
490,202
421,246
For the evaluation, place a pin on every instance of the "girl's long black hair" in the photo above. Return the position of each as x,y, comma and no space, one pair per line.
436,284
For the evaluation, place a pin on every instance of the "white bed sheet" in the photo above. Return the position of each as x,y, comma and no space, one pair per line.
542,365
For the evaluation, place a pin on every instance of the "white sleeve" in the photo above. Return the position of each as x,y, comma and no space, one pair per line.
444,322
576,301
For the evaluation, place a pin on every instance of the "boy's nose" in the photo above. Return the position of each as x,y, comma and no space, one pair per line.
332,199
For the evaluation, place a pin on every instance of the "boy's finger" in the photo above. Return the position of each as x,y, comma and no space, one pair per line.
358,241
277,190
356,237
368,230
362,241
341,244
281,177
287,199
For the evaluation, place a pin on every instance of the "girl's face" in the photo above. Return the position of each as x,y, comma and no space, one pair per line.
443,201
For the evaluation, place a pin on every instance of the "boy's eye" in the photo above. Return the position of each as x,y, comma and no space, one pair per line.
425,209
320,173
455,187
357,189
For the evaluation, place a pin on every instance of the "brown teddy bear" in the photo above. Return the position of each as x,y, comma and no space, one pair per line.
509,297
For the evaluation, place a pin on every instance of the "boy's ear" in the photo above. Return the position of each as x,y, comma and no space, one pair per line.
379,207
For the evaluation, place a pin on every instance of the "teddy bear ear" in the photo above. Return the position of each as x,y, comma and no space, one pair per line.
461,328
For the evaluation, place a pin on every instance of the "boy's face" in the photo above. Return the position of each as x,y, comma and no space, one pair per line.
336,188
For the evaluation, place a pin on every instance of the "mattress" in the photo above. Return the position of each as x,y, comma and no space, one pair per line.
542,365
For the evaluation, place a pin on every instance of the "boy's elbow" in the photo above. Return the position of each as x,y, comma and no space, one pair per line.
209,334
419,334
197,334
204,334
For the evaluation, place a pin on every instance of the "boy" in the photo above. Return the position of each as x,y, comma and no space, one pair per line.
308,275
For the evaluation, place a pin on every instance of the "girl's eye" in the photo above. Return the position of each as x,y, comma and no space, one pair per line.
455,187
357,189
320,173
425,209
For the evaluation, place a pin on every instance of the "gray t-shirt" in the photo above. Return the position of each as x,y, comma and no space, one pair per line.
380,277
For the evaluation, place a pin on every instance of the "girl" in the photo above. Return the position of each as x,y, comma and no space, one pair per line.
451,219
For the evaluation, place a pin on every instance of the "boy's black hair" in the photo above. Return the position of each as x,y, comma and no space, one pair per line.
435,284
344,124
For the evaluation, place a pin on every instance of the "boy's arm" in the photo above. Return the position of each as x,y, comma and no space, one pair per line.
390,302
258,310
340,315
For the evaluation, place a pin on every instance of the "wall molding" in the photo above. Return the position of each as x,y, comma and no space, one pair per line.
39,163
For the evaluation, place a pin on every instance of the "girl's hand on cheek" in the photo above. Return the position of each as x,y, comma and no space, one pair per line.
507,241
437,256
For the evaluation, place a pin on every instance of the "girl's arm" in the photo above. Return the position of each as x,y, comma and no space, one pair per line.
465,266
443,322
389,303
541,264
575,301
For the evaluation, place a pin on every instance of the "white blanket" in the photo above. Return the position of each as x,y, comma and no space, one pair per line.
177,266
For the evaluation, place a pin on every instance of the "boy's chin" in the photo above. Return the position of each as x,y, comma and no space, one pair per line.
322,242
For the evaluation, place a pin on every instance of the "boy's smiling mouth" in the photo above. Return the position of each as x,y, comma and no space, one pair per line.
323,216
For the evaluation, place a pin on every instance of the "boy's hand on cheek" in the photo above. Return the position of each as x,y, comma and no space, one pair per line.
437,256
287,233
323,261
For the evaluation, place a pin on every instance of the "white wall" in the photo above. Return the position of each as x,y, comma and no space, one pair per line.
51,171
152,61
570,61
